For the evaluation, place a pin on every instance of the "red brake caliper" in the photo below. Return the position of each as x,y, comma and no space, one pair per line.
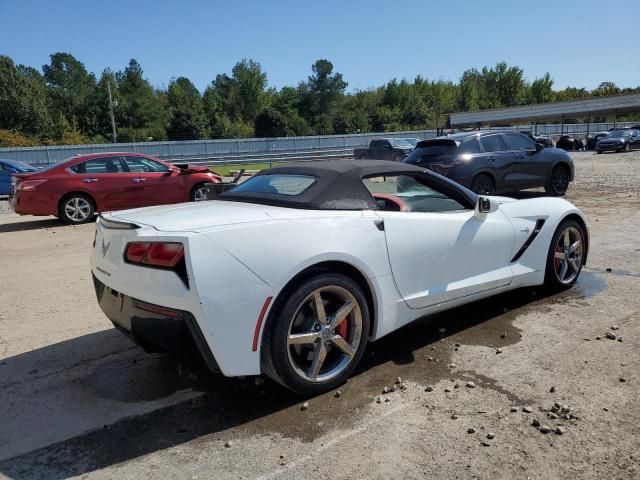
342,329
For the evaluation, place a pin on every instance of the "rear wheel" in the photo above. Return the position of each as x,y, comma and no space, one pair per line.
76,208
318,335
559,181
565,257
482,184
363,156
199,193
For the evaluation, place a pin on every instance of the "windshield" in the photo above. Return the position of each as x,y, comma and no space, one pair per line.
401,143
620,134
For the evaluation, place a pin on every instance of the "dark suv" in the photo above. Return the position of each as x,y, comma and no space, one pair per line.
494,162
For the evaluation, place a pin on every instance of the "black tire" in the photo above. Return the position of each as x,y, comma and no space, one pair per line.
598,151
552,281
278,360
197,191
76,209
482,184
363,156
559,181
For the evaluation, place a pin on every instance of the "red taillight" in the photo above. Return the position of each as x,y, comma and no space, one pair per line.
155,254
28,185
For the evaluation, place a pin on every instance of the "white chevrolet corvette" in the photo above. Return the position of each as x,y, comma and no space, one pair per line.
294,271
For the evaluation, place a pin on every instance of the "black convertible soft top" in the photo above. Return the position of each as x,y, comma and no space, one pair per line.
338,186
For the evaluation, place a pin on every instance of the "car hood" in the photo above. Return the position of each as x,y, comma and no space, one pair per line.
200,216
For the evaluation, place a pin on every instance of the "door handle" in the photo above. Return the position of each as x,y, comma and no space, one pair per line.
139,179
90,180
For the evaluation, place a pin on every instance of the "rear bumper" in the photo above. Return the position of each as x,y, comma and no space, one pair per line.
153,327
33,203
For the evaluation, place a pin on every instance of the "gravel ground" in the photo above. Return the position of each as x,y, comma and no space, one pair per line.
77,399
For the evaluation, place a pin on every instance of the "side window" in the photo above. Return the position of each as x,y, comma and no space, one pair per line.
519,142
142,165
493,143
409,194
469,146
99,165
385,144
376,144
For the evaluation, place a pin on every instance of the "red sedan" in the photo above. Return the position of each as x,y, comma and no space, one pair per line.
76,189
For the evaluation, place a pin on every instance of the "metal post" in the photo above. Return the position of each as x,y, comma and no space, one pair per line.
588,125
114,136
562,127
615,117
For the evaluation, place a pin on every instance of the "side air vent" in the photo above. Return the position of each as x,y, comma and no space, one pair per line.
532,237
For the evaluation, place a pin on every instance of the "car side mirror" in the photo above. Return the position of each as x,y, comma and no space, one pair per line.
539,147
485,206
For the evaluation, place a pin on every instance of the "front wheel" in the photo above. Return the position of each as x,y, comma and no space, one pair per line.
559,181
626,148
76,208
199,193
318,335
565,256
482,184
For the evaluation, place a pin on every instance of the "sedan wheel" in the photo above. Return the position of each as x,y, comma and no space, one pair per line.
76,209
317,335
566,255
199,194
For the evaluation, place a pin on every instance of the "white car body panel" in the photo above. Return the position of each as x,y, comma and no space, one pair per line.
240,254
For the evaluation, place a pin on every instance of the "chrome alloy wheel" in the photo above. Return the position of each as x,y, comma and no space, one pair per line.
568,255
200,194
324,334
77,209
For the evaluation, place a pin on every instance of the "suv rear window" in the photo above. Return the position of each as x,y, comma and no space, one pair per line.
430,150
289,185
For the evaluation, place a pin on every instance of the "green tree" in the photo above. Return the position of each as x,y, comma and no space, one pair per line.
142,109
270,123
542,89
247,94
187,120
23,100
321,94
71,89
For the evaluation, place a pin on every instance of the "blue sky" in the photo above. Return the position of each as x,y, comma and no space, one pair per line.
581,43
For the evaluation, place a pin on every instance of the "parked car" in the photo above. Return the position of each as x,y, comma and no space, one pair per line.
619,141
569,142
490,162
294,271
395,149
77,188
593,138
9,168
541,139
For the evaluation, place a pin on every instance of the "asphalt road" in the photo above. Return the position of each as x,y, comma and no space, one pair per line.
77,399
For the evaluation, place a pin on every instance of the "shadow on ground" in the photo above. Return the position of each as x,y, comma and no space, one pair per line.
233,408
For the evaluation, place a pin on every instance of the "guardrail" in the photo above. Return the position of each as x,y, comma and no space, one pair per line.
261,150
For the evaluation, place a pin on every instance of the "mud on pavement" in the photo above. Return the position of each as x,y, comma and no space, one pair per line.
79,400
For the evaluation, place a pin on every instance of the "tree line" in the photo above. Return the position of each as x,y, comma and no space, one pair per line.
66,104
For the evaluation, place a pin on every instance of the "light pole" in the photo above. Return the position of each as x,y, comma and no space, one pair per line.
114,135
